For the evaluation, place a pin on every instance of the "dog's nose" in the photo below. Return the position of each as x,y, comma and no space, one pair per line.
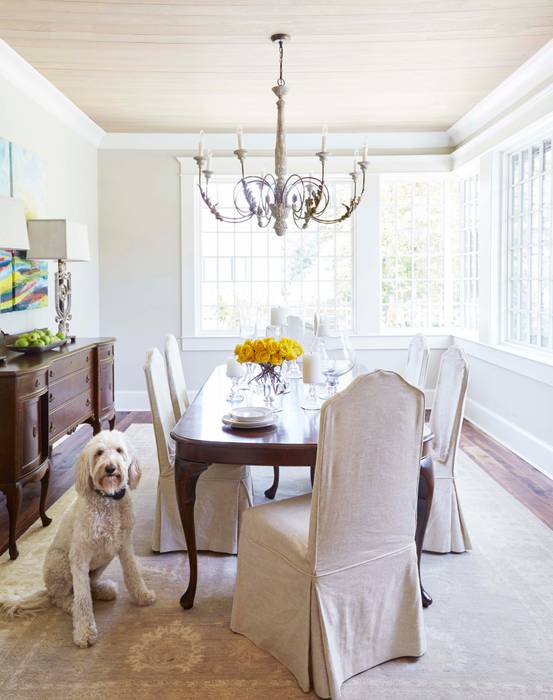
110,469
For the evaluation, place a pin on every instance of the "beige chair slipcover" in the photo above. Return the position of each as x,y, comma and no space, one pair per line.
446,530
327,582
223,492
175,375
417,361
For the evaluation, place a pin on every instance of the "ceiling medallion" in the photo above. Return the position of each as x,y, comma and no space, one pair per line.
279,196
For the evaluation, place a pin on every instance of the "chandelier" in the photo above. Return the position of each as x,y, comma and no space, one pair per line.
279,196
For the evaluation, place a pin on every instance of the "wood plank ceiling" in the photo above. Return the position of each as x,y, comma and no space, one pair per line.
357,65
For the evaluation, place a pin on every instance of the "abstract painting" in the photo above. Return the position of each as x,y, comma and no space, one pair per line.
5,181
30,284
6,281
6,261
27,182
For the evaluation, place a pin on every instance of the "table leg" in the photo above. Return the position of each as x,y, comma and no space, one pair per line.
271,491
426,492
186,478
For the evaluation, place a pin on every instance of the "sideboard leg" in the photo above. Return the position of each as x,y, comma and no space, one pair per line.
271,491
96,426
111,422
13,501
44,482
186,477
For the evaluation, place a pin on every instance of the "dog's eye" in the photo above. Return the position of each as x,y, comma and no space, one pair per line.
120,450
99,452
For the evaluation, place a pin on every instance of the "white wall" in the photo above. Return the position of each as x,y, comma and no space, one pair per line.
71,192
140,278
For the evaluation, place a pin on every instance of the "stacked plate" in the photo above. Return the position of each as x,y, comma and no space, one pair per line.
249,417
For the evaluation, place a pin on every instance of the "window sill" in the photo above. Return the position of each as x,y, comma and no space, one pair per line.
534,365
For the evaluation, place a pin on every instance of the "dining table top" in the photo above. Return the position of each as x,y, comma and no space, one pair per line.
200,435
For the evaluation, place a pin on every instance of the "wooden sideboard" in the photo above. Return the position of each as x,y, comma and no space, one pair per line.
42,398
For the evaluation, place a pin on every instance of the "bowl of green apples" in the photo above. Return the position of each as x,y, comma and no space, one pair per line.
36,341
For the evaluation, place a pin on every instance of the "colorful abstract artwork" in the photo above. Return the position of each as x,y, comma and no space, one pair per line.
6,281
30,284
23,283
5,177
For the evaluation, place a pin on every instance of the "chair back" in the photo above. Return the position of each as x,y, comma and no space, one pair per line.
364,501
161,406
446,417
417,361
175,374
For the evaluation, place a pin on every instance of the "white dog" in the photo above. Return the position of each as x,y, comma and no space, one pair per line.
96,528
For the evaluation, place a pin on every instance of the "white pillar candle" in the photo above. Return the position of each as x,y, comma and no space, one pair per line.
201,145
240,137
278,316
295,328
311,368
234,368
365,152
355,159
208,163
323,139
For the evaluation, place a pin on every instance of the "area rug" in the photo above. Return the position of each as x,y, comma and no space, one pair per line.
490,629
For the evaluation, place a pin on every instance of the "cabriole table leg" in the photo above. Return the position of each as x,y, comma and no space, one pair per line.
426,492
186,478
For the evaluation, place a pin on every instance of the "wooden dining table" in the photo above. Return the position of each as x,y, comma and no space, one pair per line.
202,439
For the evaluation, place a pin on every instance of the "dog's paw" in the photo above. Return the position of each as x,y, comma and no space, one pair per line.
104,590
85,635
146,597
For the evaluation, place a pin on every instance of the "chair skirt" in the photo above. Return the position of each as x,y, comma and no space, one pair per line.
326,628
223,492
446,530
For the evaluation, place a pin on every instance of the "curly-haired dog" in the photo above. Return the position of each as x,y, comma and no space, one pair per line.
97,527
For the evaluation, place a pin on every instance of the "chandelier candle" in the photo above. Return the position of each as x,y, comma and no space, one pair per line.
279,197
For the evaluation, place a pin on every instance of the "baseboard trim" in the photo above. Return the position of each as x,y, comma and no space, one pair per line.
527,446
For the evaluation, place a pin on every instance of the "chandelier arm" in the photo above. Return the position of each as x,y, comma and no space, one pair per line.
213,208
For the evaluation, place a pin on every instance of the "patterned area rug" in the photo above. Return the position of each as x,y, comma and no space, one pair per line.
490,632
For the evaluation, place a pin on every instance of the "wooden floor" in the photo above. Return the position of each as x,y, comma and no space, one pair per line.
528,485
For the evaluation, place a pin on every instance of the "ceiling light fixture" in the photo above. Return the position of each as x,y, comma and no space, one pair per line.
275,197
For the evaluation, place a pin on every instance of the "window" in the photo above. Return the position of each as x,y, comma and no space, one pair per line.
412,224
465,257
529,275
244,267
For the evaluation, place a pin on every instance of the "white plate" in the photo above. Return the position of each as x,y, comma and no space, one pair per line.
247,414
234,423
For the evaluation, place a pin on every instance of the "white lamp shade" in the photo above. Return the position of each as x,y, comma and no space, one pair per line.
13,229
57,239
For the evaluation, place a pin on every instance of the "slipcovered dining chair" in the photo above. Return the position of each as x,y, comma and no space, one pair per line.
223,491
328,582
417,361
446,530
175,375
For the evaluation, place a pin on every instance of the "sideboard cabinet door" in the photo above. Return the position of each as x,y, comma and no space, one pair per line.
31,419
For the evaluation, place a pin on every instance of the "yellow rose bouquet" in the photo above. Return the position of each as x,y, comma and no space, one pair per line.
269,354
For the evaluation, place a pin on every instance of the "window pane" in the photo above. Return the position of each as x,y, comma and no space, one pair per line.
244,266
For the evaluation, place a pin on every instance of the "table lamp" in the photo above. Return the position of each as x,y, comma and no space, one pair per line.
13,231
64,241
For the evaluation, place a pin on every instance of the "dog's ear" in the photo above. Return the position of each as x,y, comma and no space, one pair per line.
82,474
135,472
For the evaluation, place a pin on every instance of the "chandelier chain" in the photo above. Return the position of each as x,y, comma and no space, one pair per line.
281,80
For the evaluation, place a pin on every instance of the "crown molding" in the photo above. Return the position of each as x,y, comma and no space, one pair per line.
525,83
20,73
418,142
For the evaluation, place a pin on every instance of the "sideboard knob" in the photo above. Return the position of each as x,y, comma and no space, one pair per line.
37,382
35,431
87,379
51,427
88,402
50,397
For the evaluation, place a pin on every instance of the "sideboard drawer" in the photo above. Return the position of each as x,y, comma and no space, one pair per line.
105,352
31,383
69,387
72,363
69,415
30,426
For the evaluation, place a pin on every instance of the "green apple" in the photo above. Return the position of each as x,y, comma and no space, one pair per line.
60,335
22,343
